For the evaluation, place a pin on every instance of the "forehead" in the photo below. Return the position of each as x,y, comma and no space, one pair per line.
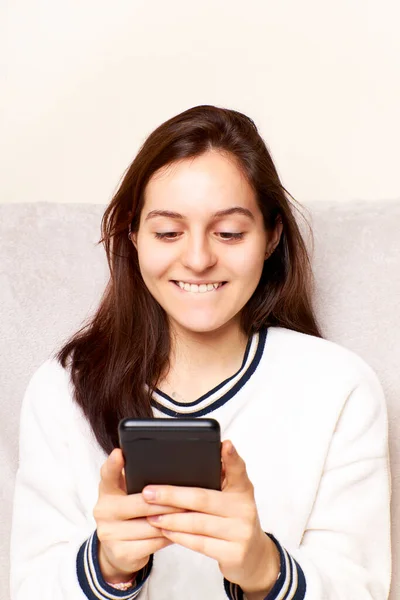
210,181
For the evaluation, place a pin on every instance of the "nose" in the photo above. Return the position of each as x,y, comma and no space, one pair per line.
198,253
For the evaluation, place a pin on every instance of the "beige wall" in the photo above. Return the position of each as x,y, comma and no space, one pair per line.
84,81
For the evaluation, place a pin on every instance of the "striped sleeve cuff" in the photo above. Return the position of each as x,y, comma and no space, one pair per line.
91,580
290,585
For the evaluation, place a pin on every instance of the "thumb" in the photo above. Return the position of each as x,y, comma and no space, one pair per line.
113,474
236,478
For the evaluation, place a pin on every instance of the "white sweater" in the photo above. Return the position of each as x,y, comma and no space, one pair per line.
308,417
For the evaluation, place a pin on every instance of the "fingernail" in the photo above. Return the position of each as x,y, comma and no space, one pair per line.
149,494
155,518
232,449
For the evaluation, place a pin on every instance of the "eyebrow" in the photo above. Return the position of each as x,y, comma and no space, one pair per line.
235,210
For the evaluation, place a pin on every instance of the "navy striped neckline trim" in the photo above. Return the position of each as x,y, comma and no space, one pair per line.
180,409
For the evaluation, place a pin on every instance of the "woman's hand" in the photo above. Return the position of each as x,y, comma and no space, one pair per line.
223,525
126,538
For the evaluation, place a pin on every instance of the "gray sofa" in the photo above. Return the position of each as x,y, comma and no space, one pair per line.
52,274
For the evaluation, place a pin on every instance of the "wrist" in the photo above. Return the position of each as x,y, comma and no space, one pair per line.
110,573
263,581
123,578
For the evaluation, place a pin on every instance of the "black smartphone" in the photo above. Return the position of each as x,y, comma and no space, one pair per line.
185,452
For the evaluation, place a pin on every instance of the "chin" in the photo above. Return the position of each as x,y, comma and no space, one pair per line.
201,325
198,328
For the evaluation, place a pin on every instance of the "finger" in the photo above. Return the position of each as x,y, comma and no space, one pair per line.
236,478
222,528
210,547
142,548
133,530
223,477
134,506
194,499
112,478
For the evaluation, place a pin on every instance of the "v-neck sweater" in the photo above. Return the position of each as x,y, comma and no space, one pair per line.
309,418
167,407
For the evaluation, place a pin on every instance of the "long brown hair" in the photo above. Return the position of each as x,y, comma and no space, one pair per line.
126,344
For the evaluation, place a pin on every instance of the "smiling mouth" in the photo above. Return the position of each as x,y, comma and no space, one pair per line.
199,289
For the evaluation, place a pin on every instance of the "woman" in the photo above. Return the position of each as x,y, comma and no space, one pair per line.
207,313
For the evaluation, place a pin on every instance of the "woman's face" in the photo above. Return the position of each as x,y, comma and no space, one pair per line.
201,242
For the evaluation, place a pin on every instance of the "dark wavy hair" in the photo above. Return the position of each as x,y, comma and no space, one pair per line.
126,344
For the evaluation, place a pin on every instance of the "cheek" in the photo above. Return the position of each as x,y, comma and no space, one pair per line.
249,263
153,260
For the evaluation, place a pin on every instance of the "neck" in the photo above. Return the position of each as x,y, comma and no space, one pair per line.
216,351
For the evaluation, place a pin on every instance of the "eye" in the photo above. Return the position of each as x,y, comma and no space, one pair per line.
169,235
231,236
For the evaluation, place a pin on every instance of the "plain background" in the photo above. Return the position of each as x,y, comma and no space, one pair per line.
83,82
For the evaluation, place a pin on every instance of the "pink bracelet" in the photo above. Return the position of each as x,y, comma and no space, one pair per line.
122,586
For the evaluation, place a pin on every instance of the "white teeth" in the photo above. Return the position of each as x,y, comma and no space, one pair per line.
202,288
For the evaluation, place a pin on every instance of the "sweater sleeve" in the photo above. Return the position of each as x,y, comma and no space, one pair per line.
345,551
92,581
50,535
